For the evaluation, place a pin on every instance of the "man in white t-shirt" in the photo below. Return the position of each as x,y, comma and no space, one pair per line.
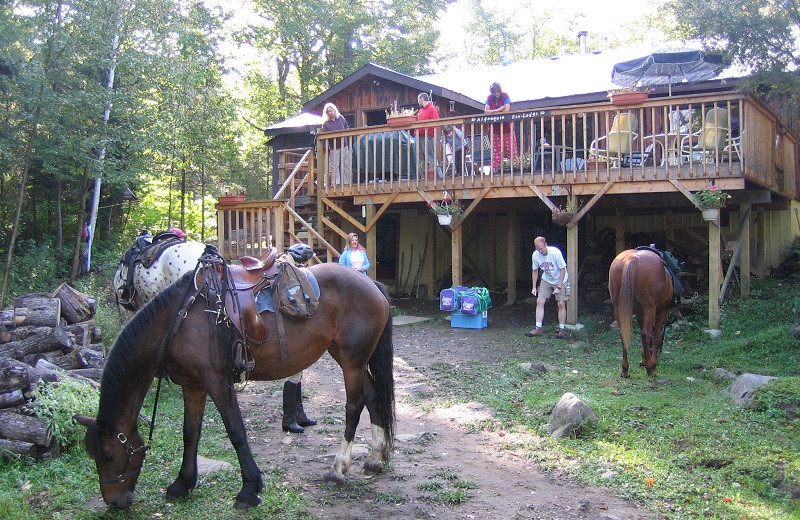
554,281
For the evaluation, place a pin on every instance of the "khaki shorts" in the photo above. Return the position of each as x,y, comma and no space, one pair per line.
546,290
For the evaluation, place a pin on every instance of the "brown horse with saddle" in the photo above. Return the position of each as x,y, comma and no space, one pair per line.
640,284
190,332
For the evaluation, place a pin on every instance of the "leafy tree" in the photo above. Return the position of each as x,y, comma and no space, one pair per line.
318,42
757,34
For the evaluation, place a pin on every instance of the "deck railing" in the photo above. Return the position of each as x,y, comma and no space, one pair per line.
711,136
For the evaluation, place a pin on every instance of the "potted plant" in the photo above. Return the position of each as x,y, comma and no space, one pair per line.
445,209
400,117
232,194
628,96
593,163
710,200
563,216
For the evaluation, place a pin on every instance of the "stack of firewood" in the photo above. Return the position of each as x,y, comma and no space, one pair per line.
43,338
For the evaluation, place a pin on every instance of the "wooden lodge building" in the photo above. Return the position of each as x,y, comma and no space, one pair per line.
627,172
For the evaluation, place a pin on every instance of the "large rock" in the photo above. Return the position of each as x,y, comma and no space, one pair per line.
570,415
744,387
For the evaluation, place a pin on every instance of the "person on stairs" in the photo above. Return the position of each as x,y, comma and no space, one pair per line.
294,417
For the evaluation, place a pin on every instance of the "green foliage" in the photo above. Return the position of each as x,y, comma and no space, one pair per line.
705,455
758,34
780,398
59,402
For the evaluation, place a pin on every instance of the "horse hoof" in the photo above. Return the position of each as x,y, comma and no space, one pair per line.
178,489
373,466
246,500
333,477
625,375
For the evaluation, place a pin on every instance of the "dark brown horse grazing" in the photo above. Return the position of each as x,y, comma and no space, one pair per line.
353,323
639,284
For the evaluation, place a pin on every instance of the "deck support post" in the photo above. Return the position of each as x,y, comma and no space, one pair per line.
619,230
372,240
744,255
456,243
511,260
714,273
572,271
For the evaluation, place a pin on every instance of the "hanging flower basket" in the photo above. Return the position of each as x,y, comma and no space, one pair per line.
445,220
562,218
230,200
622,99
399,121
711,214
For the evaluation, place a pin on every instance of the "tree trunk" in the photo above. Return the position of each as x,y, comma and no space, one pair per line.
76,307
101,154
75,268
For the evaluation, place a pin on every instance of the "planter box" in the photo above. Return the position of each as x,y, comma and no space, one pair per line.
396,122
628,98
445,220
469,321
230,200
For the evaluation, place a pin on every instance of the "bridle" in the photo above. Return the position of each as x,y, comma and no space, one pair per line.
130,450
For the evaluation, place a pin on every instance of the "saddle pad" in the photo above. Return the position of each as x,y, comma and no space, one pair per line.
151,254
265,301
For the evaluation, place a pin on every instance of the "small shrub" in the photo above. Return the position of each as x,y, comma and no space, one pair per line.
59,402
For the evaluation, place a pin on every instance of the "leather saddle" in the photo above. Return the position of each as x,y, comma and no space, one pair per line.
672,266
248,279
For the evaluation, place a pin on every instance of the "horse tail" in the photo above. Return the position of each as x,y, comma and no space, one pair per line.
381,366
626,299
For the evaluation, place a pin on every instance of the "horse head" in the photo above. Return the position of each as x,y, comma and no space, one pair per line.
118,457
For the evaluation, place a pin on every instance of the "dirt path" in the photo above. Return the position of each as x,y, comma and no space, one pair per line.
440,456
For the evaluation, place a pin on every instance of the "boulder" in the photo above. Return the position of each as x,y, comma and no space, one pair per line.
569,416
744,386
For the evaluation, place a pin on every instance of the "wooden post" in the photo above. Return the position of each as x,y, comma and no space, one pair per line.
619,229
572,271
492,274
761,250
714,273
511,262
372,241
669,231
456,243
744,255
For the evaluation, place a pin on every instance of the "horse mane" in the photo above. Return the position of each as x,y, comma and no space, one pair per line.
126,347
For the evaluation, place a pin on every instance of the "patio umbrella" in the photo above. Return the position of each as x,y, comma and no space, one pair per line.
666,66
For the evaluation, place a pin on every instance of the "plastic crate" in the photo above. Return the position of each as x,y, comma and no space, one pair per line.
469,321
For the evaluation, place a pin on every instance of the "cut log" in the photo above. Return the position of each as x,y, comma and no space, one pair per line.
5,335
90,376
57,339
91,358
52,368
15,375
85,332
75,306
24,428
13,398
11,449
37,310
69,361
7,317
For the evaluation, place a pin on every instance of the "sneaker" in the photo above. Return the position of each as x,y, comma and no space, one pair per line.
561,333
535,332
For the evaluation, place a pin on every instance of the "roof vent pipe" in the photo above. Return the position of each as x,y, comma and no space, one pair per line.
582,41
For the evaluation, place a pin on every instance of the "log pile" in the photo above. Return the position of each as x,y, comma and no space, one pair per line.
43,338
